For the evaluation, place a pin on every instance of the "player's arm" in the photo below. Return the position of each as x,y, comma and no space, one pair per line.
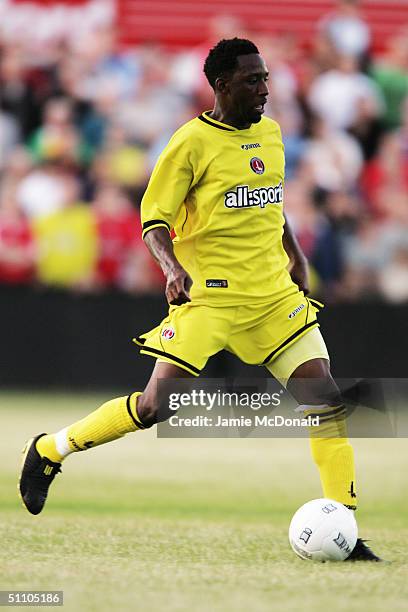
299,266
179,281
166,192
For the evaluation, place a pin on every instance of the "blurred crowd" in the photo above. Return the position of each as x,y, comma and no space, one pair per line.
82,123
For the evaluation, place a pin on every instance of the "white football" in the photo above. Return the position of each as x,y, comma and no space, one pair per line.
323,530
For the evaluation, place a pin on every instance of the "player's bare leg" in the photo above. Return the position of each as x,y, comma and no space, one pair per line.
148,404
43,454
313,387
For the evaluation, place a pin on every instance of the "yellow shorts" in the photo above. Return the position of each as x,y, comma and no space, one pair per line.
256,334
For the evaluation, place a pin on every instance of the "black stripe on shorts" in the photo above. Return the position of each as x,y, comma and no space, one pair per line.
158,353
288,340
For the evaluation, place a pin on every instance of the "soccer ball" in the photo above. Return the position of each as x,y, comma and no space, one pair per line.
323,530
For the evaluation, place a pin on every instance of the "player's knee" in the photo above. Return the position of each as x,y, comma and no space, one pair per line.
147,411
312,383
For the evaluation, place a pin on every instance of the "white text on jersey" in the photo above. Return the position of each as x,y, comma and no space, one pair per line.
243,197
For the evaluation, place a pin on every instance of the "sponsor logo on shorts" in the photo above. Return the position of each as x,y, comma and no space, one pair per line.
168,333
243,197
296,311
257,165
253,145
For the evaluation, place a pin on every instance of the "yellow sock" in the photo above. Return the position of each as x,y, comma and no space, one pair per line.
334,457
111,421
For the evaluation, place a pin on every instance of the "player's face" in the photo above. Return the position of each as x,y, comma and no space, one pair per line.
248,88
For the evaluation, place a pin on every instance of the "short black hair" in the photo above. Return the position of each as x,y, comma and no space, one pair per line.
223,57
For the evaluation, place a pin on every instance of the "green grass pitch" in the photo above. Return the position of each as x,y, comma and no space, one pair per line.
199,525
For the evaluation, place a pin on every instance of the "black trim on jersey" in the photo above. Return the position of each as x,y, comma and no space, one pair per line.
220,127
169,355
288,340
148,224
138,423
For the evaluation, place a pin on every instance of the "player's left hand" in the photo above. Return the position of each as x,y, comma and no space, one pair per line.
300,275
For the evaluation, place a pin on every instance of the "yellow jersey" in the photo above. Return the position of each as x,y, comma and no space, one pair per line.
221,190
67,246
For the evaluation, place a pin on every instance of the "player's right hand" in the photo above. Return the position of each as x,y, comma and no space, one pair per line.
178,286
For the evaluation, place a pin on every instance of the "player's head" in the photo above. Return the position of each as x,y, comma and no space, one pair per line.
238,75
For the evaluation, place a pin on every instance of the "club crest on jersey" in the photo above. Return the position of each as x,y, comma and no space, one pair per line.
168,333
257,165
244,197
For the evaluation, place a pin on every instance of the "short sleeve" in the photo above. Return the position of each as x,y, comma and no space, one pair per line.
168,187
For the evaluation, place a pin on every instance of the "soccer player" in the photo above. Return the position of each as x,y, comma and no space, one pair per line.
219,185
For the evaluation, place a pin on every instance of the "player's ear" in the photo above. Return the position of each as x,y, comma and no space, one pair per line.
221,85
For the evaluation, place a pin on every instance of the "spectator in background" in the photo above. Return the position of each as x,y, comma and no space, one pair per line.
389,168
122,162
394,203
319,237
393,279
42,191
67,80
341,212
367,129
346,30
332,158
95,122
327,259
291,122
17,166
377,250
362,261
58,139
390,72
17,252
102,62
17,94
9,136
67,241
340,95
302,213
401,135
123,260
156,108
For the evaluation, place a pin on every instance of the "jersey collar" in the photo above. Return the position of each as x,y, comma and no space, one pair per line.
217,124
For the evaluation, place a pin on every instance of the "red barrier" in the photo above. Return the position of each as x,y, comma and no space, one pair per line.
180,23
